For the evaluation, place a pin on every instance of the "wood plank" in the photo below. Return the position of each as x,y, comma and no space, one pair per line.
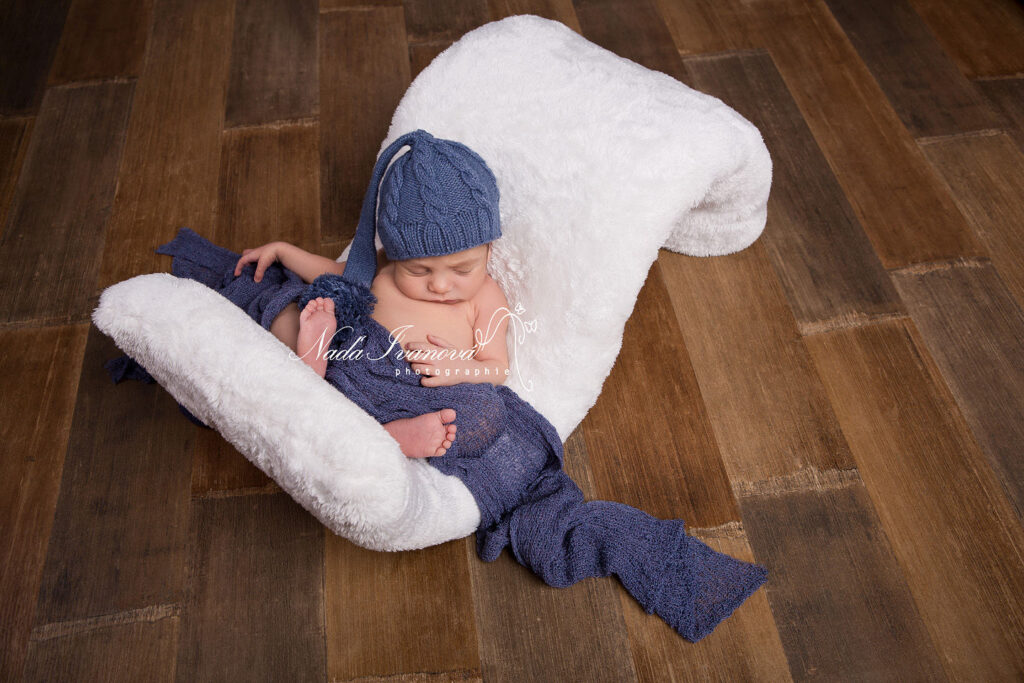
1007,94
102,39
975,332
142,650
901,205
443,20
120,528
39,372
982,37
255,605
764,400
842,603
532,631
985,175
168,177
922,83
939,502
14,136
632,29
62,200
364,71
29,34
825,262
648,435
273,62
402,613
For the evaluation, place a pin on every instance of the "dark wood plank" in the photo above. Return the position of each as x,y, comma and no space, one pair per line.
29,32
364,71
985,175
1007,94
121,524
923,84
824,260
142,650
168,177
273,62
648,436
975,332
632,29
531,631
255,607
391,615
39,371
14,136
61,202
443,20
901,205
843,606
102,39
982,37
951,528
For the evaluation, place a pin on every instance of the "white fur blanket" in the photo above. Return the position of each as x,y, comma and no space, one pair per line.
599,161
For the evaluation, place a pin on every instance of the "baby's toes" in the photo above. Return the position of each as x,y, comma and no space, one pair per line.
329,305
447,415
450,435
440,451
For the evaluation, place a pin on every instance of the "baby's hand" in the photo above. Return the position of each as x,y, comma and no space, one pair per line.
263,256
434,369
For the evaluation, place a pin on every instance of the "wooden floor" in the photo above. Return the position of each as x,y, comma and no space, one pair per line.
844,398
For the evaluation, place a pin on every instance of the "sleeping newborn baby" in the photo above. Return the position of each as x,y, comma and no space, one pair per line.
444,311
436,213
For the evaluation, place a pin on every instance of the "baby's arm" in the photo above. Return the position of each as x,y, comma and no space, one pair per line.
490,328
304,264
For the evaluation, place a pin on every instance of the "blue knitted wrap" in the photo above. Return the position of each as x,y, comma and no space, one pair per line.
353,303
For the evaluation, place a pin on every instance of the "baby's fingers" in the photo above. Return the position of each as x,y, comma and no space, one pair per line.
246,258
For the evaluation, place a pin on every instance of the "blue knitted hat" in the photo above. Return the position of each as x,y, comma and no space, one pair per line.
438,198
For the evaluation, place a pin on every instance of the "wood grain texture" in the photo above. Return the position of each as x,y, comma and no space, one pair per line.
121,524
55,224
765,402
985,175
982,37
168,177
364,71
443,20
14,136
273,62
255,602
922,83
951,528
29,33
391,615
901,205
631,29
838,594
102,39
141,650
39,371
531,631
649,441
1007,95
975,332
825,262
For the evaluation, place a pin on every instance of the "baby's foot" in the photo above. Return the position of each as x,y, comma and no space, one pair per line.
315,321
424,436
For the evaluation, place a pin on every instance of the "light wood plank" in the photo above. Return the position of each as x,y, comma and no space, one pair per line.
168,177
121,523
102,39
975,333
985,175
273,62
922,83
901,205
39,371
939,502
255,602
983,37
62,200
364,71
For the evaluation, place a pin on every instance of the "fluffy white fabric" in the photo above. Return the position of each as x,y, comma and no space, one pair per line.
599,161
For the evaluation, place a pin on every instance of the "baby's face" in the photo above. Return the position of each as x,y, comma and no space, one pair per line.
444,279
